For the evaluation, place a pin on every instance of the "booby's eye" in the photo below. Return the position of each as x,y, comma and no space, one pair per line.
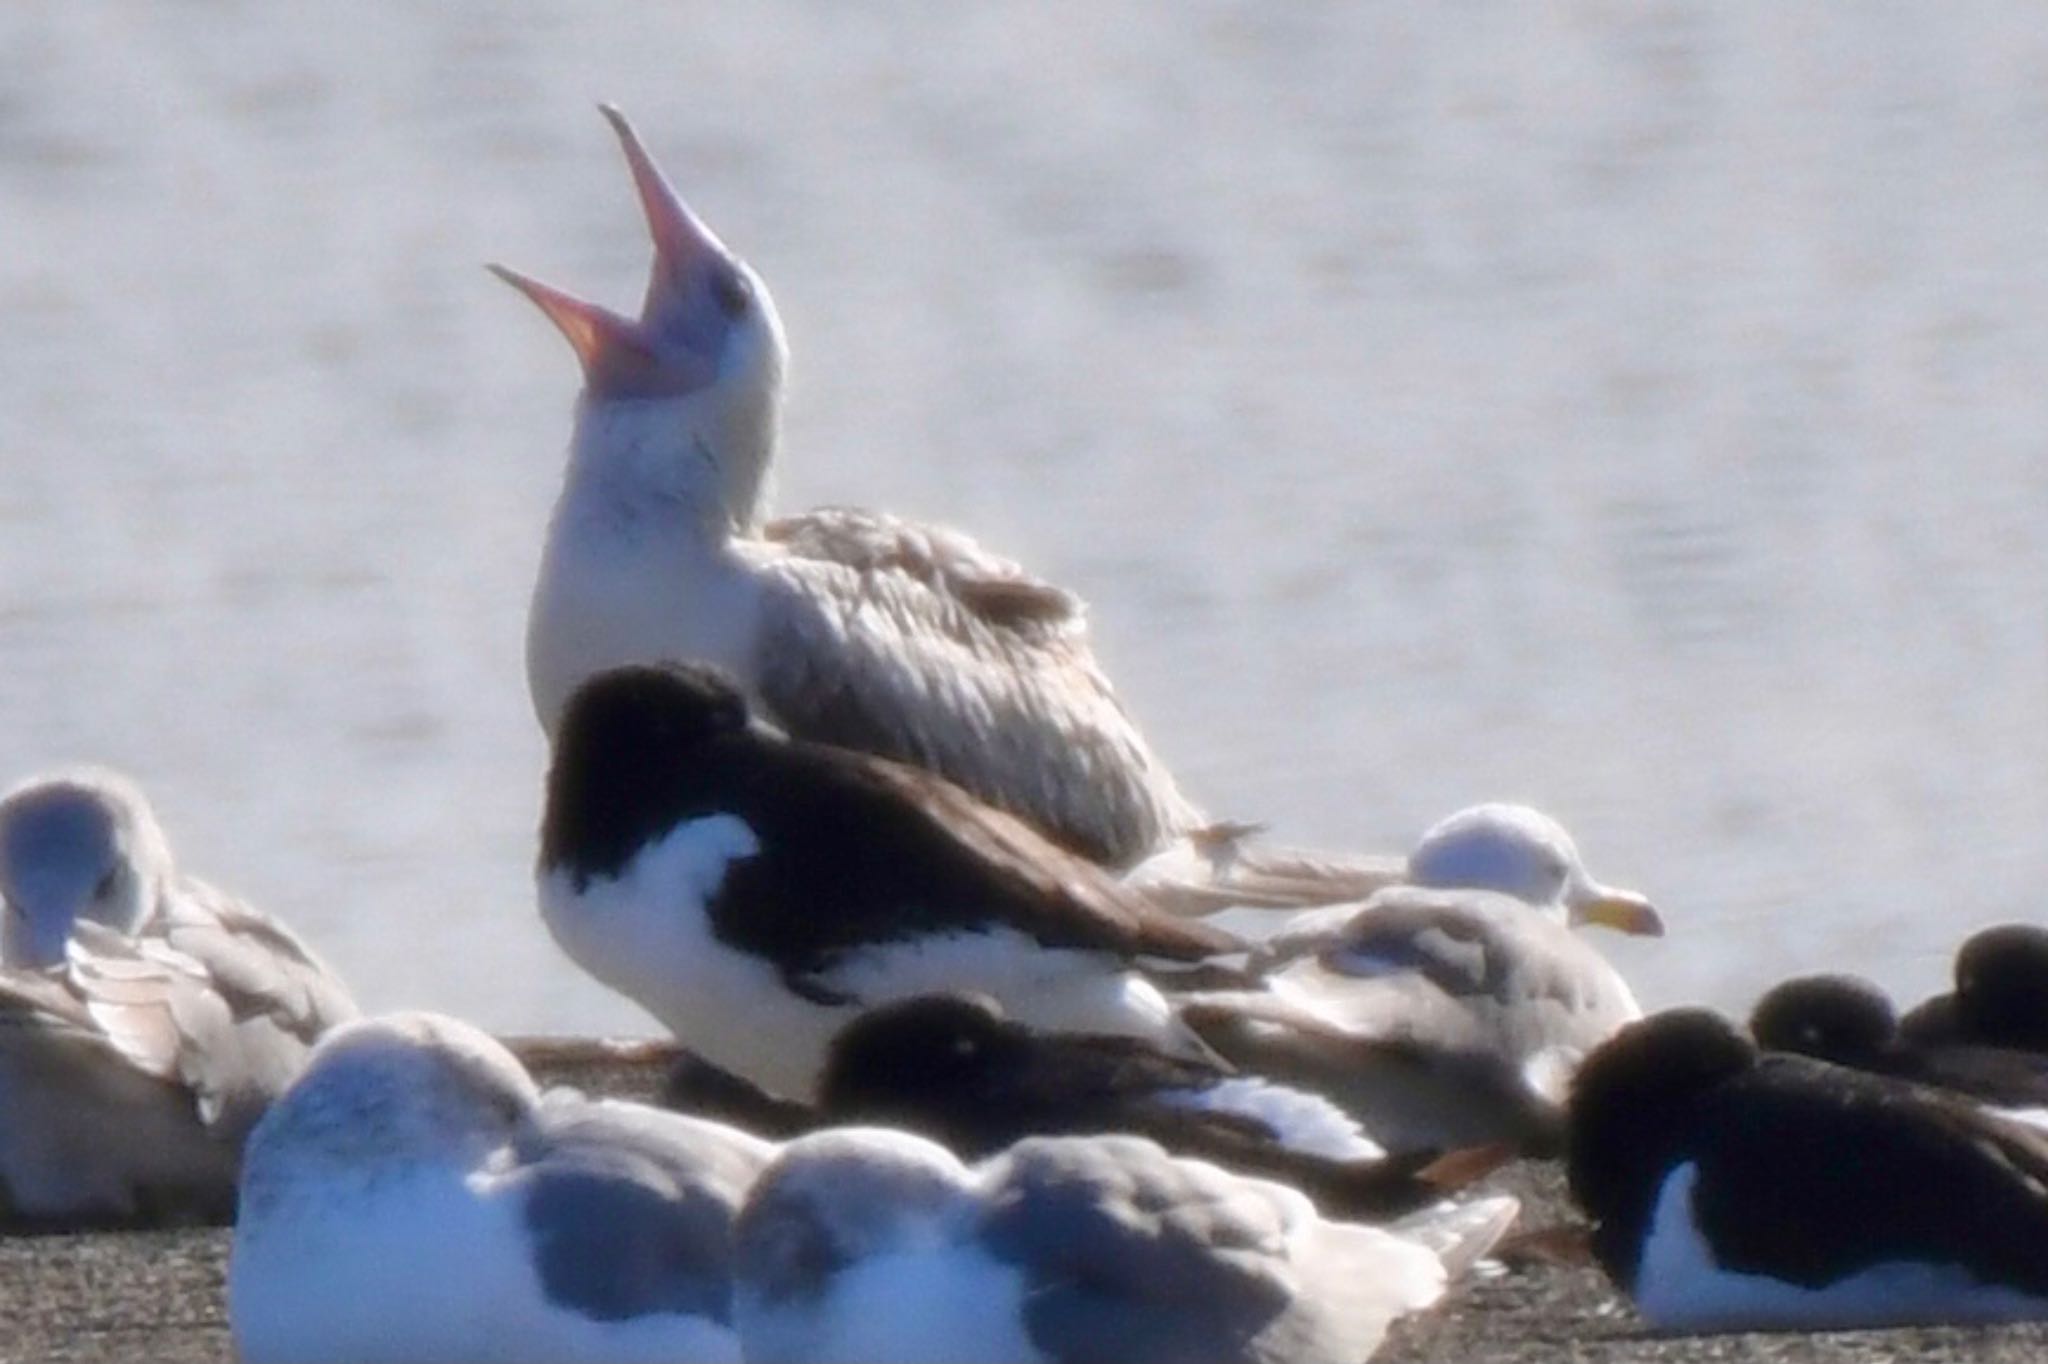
965,1046
105,887
730,290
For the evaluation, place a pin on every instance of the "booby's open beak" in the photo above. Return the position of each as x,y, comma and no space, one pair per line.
618,358
683,246
1621,910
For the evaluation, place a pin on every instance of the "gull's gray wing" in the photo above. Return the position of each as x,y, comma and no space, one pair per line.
631,1209
1132,1255
261,968
215,995
1435,1016
92,1134
1466,970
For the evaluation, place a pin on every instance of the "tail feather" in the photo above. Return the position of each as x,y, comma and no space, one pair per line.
1460,1234
1223,866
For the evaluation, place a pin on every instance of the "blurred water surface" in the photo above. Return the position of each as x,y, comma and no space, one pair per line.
1635,409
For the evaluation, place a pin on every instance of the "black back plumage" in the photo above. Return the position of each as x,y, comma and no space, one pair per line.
1851,1022
704,1089
627,764
855,850
952,1068
1807,1172
2000,997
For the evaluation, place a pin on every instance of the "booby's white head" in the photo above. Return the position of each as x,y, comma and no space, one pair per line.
684,402
1520,851
78,845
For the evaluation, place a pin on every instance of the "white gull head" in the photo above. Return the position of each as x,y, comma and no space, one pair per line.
78,845
391,1093
1520,851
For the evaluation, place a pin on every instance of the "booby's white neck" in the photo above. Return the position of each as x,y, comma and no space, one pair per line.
639,565
672,468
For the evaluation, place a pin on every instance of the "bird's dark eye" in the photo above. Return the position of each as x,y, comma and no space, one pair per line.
730,290
105,887
965,1046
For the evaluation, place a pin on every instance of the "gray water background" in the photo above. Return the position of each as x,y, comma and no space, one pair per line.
1637,409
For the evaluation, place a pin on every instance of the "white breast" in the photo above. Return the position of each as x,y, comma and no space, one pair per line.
647,935
1679,1286
613,591
1302,1122
930,1305
431,1268
1050,989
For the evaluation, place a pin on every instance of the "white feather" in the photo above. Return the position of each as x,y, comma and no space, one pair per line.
1302,1121
445,1259
646,934
922,1304
1680,1285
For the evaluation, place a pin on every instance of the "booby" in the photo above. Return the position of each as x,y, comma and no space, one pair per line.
1850,1021
146,1017
2000,997
953,1068
868,1243
755,892
1451,1010
414,1197
844,626
1732,1191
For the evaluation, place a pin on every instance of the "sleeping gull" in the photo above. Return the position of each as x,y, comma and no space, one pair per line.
754,892
2000,997
951,1067
1450,1011
845,626
1732,1191
866,1244
146,1018
414,1197
1851,1022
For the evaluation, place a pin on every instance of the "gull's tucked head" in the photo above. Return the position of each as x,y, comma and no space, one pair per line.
696,380
1519,851
400,1090
1840,1018
913,1054
835,1198
80,845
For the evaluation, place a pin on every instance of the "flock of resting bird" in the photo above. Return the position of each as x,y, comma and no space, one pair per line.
845,802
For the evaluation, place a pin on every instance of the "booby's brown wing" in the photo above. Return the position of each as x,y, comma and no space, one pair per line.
916,645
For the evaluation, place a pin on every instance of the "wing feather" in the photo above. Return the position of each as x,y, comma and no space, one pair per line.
914,643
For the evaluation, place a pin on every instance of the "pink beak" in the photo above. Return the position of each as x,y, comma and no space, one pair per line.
682,244
617,355
623,358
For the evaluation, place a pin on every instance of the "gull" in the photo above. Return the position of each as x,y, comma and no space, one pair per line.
868,1243
755,892
1449,1011
414,1197
953,1068
2000,997
146,1017
1851,1022
1738,1191
845,626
